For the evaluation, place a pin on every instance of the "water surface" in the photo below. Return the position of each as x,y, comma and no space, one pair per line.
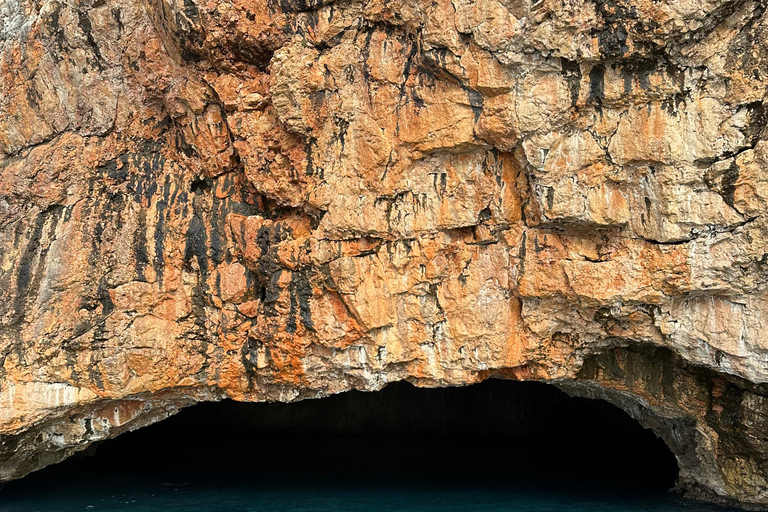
124,491
498,446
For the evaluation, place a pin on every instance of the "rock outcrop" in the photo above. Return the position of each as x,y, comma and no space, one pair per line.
286,199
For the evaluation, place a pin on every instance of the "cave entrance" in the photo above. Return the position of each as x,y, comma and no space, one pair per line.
497,433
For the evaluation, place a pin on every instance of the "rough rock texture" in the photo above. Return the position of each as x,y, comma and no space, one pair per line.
284,199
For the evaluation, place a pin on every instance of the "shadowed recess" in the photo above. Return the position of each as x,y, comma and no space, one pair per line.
498,433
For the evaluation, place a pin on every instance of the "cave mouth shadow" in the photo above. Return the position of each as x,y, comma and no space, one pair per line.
496,433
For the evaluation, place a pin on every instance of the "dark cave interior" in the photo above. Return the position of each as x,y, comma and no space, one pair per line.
497,433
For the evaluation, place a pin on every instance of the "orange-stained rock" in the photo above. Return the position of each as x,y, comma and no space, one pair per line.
285,200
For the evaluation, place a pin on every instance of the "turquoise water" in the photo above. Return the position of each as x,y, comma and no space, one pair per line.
88,491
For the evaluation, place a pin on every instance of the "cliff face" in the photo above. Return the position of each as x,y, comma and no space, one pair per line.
278,200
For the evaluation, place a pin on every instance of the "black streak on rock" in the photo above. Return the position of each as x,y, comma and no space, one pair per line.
729,184
84,22
572,72
140,246
25,277
162,206
612,39
272,294
217,242
640,69
301,293
476,102
597,85
107,306
197,242
756,122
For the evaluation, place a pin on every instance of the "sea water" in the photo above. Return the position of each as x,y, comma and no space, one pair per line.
132,491
497,446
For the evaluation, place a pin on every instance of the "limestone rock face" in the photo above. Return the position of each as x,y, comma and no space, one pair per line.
285,199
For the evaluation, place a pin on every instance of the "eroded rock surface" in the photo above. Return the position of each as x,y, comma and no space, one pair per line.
279,200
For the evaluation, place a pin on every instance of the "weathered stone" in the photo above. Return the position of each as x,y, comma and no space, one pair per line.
284,200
